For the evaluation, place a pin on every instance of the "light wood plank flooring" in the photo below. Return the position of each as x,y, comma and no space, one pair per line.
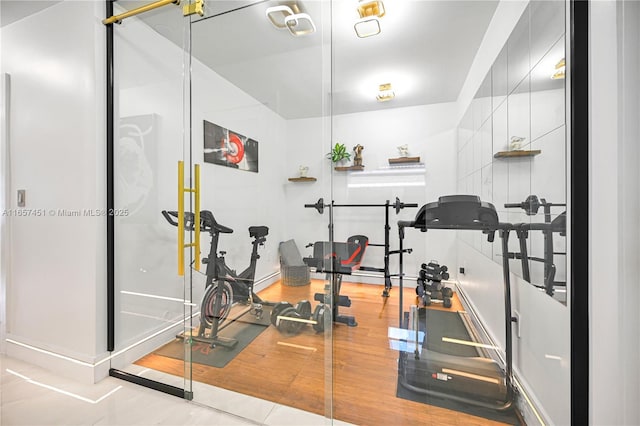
290,370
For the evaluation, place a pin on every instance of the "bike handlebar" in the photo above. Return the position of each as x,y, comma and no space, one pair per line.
189,217
168,214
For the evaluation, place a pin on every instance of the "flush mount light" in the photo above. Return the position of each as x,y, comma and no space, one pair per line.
560,69
385,93
278,14
289,16
369,25
300,24
371,8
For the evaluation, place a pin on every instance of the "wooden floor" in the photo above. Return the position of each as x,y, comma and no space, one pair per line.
290,370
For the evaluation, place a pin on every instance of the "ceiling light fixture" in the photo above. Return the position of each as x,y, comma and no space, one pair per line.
369,25
289,16
385,93
560,69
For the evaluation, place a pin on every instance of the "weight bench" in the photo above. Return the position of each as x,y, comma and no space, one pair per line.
336,260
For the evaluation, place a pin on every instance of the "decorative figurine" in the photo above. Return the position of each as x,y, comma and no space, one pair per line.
403,150
357,160
303,170
516,143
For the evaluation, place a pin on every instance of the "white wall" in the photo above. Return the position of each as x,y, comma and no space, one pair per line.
56,146
427,129
613,204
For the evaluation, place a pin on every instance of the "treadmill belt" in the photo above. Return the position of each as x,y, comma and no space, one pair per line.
441,324
438,324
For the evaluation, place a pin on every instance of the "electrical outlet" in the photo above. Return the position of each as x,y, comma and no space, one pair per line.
516,315
21,198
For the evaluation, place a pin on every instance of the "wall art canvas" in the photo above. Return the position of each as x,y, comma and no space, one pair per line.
230,149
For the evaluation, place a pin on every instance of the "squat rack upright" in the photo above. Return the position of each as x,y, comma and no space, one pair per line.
397,205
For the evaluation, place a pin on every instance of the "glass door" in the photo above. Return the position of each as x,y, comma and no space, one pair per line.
260,129
152,309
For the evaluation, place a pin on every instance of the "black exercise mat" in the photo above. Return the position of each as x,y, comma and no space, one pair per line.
244,330
449,324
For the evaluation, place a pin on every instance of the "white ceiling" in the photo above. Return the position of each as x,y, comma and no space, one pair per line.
425,50
13,10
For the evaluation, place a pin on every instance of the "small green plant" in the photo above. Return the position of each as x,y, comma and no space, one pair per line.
338,153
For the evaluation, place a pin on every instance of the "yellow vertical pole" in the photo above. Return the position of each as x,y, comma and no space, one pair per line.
196,187
180,218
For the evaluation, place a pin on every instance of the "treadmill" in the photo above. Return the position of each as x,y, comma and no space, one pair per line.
477,381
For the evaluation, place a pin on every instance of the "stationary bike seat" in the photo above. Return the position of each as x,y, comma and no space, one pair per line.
258,231
208,222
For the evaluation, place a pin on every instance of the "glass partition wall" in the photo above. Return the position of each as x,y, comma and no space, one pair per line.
259,102
152,300
325,134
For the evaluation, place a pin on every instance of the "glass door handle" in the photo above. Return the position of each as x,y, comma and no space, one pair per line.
181,216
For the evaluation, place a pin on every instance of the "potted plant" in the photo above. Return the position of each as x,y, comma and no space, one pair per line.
339,153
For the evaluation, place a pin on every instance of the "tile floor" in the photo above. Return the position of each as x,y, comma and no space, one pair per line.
29,395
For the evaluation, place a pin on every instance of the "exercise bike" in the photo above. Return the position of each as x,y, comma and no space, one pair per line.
224,286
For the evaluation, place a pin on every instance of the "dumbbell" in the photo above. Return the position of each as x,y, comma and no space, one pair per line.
282,311
321,311
428,300
434,265
432,276
441,293
434,269
447,292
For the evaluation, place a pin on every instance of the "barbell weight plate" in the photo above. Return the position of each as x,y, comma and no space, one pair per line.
319,325
277,309
286,326
319,315
303,307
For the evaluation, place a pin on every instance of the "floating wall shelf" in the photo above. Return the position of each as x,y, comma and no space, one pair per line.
509,154
402,160
349,168
302,179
